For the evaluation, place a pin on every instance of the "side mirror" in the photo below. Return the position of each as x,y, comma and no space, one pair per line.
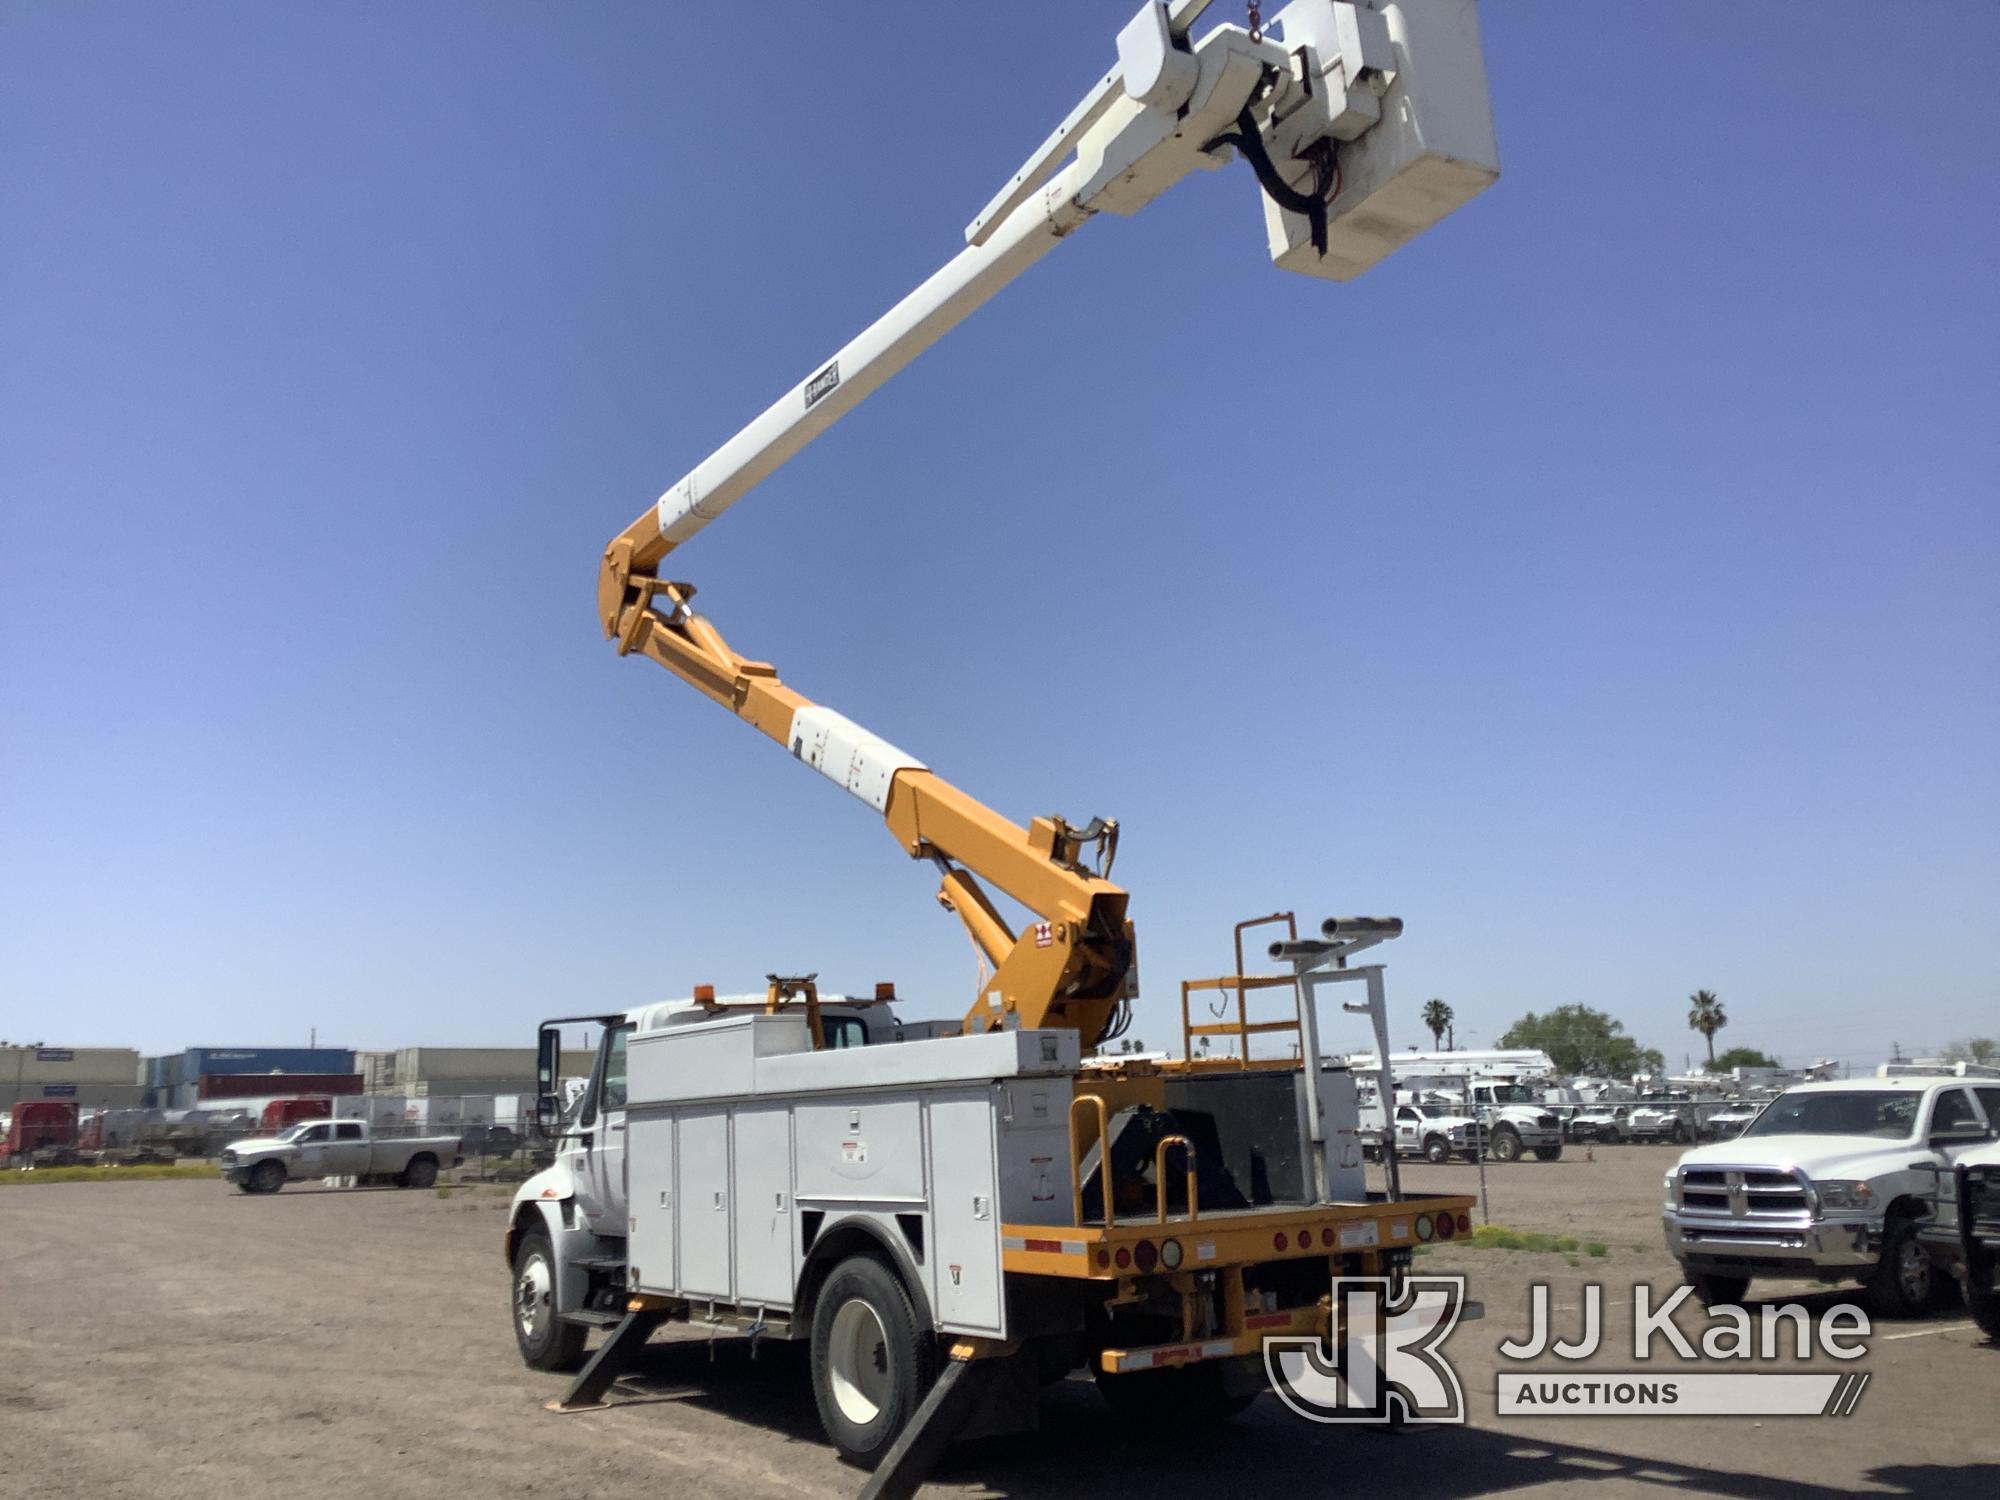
548,1102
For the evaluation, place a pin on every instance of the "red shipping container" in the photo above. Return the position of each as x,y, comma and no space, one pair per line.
264,1085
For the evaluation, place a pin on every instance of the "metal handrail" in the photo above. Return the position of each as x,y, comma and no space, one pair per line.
1160,1178
1076,1159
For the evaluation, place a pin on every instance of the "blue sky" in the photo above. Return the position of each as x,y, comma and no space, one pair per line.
1605,584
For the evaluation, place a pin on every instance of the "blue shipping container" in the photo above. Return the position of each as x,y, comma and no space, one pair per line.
200,1061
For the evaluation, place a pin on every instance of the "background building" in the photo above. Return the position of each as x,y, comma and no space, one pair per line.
95,1077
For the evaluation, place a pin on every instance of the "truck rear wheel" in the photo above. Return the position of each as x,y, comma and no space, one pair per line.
265,1177
421,1172
1506,1144
546,1340
872,1365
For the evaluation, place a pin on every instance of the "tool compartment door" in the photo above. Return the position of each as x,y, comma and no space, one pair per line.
762,1215
649,1197
965,1214
703,1202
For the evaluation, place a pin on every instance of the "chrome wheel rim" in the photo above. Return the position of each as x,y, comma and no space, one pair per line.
533,1303
858,1363
1913,1270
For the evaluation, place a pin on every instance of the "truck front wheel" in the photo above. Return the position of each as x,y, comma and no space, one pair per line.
1506,1144
1718,1291
1905,1283
871,1364
1437,1149
546,1340
265,1177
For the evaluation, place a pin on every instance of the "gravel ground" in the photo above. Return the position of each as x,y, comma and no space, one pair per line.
176,1339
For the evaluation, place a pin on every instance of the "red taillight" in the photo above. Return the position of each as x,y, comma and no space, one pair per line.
1446,1226
1123,1257
1279,1241
1465,1223
1103,1259
1145,1256
1326,1237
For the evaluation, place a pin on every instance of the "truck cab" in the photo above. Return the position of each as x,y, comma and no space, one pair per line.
1515,1121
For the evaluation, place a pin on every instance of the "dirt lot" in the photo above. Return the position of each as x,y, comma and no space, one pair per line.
175,1339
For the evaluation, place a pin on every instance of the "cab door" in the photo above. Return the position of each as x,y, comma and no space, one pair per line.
600,1188
313,1147
348,1155
1409,1128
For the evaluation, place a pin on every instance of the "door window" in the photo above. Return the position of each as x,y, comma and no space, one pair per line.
1954,1111
614,1069
1990,1097
347,1132
313,1137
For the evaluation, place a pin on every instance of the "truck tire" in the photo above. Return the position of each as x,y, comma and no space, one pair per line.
1176,1397
547,1340
418,1172
1611,1135
1679,1135
872,1364
1506,1144
1437,1149
1904,1283
1718,1291
265,1177
1549,1153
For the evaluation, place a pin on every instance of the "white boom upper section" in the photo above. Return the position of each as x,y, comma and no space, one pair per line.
1372,118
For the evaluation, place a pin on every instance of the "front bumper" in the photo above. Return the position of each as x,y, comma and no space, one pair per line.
1779,1243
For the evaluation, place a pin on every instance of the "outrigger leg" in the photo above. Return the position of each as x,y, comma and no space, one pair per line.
613,1358
956,1395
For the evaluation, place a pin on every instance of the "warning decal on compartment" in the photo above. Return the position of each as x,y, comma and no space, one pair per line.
855,1152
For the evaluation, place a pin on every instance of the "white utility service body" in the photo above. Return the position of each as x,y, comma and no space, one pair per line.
744,1146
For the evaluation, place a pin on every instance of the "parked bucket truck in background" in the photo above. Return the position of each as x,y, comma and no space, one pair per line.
999,1205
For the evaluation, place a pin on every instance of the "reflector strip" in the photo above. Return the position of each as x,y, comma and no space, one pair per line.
1044,1247
1267,1320
1175,1354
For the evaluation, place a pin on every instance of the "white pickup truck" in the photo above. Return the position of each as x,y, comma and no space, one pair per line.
337,1148
1833,1181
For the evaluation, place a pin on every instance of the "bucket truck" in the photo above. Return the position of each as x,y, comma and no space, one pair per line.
949,1219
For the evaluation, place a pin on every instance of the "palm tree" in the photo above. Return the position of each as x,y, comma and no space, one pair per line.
1705,1015
1437,1018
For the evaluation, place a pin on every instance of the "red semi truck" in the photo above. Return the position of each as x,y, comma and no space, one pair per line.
283,1114
38,1123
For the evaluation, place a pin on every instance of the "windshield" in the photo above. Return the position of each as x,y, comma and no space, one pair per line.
1512,1093
1893,1116
1437,1111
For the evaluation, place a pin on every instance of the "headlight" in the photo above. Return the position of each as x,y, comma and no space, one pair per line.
1844,1194
1667,1187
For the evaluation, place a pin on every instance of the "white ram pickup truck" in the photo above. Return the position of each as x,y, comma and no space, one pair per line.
337,1148
1833,1181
